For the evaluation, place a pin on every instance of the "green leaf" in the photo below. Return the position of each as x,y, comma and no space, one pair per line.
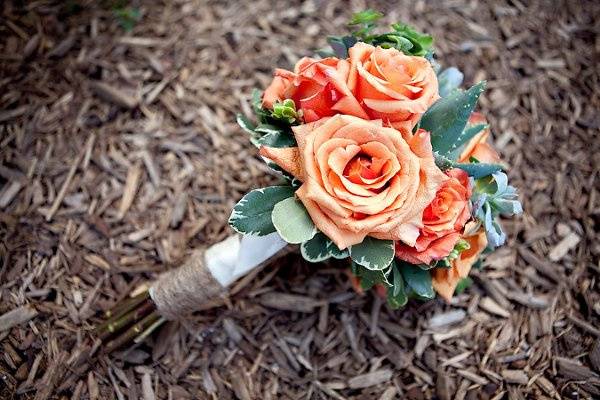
369,278
373,254
396,295
261,113
419,280
252,214
447,118
320,248
365,17
421,43
292,221
467,134
245,124
316,249
478,170
274,136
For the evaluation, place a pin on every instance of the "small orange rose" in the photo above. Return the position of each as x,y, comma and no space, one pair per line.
392,86
361,179
445,280
478,147
443,221
317,87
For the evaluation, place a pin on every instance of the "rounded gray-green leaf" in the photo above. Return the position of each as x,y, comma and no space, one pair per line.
252,214
292,221
373,254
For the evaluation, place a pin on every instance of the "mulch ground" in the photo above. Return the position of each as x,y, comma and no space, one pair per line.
119,154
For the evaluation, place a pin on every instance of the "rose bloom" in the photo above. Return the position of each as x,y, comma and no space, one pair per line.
374,83
478,147
361,179
392,86
443,221
317,87
445,280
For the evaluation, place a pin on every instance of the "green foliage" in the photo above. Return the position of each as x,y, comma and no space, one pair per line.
418,280
127,17
252,214
373,254
285,111
474,169
369,278
446,118
396,295
365,21
292,221
459,247
321,248
402,37
273,127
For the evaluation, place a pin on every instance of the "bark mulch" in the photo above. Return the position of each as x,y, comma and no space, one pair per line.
119,154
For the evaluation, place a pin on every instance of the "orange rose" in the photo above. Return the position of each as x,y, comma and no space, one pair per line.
360,178
445,280
392,86
317,87
443,221
478,147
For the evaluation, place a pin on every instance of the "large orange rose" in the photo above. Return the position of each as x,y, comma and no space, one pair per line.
445,280
443,221
360,178
478,147
317,87
392,86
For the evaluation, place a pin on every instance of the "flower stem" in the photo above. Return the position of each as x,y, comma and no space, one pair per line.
117,324
134,331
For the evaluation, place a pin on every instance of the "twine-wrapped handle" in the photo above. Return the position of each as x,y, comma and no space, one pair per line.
179,292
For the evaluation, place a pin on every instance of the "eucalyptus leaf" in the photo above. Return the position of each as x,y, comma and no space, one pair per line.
448,80
374,254
447,117
292,221
252,214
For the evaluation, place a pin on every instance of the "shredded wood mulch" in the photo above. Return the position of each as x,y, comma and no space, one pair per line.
119,154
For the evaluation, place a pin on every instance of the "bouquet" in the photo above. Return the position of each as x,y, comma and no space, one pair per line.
383,162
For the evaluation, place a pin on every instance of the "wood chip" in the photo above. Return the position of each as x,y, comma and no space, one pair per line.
564,246
17,316
113,95
370,379
289,302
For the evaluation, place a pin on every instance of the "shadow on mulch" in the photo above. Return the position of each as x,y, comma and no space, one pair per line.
119,153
